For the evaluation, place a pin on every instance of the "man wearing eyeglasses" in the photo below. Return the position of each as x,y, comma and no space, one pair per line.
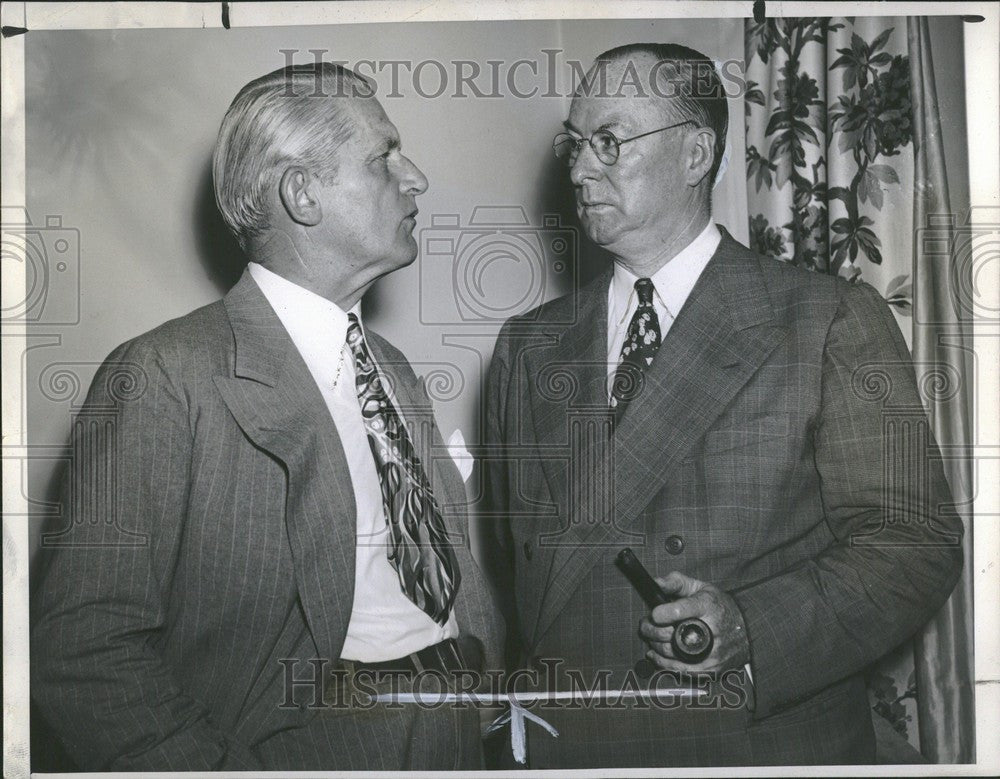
721,421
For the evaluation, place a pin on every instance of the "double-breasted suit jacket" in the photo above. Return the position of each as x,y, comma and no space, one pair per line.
776,448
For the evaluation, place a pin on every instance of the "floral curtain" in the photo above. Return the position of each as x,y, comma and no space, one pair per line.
845,175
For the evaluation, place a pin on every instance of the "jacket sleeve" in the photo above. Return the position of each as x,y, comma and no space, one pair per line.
101,605
897,551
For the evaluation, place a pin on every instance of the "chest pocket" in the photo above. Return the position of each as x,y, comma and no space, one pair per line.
753,434
740,473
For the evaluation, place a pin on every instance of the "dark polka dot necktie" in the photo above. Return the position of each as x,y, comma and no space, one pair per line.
418,545
642,339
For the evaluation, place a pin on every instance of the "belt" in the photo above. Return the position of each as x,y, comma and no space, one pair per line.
443,657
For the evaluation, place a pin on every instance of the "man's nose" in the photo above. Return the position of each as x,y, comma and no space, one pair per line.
413,180
585,166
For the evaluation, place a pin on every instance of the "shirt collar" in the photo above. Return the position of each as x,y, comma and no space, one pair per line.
673,282
310,319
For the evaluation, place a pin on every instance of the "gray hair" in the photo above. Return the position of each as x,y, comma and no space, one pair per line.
692,85
289,116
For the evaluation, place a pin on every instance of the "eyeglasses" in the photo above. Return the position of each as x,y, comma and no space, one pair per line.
606,146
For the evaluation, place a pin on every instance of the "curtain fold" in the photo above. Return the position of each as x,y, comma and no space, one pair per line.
943,655
841,117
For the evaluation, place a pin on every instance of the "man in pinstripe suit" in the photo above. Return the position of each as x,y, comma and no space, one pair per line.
277,533
742,424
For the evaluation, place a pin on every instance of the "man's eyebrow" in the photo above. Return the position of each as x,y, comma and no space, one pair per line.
613,122
387,143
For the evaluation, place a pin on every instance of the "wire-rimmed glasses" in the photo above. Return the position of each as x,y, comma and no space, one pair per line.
606,145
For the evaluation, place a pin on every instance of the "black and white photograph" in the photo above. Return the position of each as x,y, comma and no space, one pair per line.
498,387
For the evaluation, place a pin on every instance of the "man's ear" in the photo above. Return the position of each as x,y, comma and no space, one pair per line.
701,155
298,196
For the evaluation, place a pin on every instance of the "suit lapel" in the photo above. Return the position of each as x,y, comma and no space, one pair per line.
567,379
570,375
720,338
274,399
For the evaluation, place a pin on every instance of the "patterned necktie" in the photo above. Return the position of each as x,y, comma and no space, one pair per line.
418,547
642,339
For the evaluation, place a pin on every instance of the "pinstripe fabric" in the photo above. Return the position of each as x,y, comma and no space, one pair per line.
768,483
165,655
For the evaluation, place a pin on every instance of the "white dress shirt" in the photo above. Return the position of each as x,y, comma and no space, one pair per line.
384,624
672,284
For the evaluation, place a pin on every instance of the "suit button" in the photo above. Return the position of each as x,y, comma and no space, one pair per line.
528,551
675,544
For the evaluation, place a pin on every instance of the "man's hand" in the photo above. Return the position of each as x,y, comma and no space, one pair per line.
706,602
